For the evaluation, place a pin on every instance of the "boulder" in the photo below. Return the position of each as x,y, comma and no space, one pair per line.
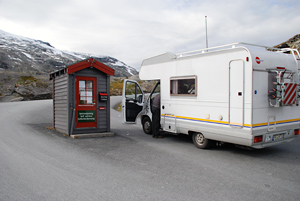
30,92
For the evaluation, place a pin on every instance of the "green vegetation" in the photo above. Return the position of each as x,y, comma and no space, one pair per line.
24,80
119,107
29,79
116,87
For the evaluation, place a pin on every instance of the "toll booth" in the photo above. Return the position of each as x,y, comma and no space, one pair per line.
81,103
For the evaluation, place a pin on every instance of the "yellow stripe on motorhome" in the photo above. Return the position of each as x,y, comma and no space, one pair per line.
168,115
286,121
196,119
277,122
260,124
247,125
206,120
237,124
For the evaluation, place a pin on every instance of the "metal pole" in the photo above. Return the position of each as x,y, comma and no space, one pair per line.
206,31
72,123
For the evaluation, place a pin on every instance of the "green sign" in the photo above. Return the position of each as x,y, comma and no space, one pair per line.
86,116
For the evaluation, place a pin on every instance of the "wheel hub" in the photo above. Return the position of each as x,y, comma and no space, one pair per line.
200,138
147,125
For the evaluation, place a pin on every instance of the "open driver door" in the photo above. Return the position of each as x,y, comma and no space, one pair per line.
133,99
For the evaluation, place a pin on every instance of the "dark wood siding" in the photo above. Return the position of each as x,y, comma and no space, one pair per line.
60,103
103,114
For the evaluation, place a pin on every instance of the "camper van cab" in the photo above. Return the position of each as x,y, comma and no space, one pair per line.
239,93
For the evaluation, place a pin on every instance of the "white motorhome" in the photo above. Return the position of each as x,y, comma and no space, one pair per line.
239,93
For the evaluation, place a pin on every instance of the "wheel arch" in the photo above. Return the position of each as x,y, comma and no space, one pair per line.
190,132
146,124
143,117
201,142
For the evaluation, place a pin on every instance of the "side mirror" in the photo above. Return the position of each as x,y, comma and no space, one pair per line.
140,98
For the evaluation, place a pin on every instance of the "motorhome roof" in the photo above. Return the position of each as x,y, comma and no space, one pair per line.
171,56
222,47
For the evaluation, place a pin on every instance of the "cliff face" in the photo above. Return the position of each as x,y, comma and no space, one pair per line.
293,42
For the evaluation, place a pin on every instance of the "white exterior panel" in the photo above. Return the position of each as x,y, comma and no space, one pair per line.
231,101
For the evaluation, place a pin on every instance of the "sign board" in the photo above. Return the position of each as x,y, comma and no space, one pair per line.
86,116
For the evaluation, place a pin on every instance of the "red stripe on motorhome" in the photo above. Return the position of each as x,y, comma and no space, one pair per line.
290,94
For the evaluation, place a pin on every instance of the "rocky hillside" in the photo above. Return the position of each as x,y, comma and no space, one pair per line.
20,54
293,42
17,86
25,65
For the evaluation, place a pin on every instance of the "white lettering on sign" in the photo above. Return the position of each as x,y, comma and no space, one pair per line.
86,116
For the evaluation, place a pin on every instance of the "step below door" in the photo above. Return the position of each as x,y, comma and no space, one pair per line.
170,123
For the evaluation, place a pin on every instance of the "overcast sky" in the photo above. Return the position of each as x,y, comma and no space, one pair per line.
132,30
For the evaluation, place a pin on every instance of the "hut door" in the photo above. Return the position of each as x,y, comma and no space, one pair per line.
86,102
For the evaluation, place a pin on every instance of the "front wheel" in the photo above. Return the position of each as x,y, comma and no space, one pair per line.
147,125
201,142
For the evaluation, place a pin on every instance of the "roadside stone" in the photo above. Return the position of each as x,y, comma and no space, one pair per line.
12,98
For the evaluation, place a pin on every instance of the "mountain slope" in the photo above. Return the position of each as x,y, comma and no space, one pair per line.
23,54
293,42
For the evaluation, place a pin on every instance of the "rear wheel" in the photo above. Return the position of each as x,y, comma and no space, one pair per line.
147,125
201,142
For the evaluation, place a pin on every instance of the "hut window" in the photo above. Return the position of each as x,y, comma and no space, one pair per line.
85,92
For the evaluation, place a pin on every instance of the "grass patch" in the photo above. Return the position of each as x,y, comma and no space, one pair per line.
119,107
26,80
116,87
29,79
50,128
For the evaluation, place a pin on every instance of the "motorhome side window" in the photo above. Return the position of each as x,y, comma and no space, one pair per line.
183,86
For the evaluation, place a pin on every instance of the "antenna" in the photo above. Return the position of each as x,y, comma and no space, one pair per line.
206,31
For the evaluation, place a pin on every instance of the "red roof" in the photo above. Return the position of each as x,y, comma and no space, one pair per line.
91,62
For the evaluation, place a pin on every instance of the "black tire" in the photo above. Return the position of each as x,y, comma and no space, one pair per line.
201,142
147,125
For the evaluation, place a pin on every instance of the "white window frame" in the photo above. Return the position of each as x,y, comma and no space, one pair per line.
174,85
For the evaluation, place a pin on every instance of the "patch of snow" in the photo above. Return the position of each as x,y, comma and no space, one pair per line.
28,55
10,36
119,63
17,59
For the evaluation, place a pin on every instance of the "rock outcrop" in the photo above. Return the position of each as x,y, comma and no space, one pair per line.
15,86
293,42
